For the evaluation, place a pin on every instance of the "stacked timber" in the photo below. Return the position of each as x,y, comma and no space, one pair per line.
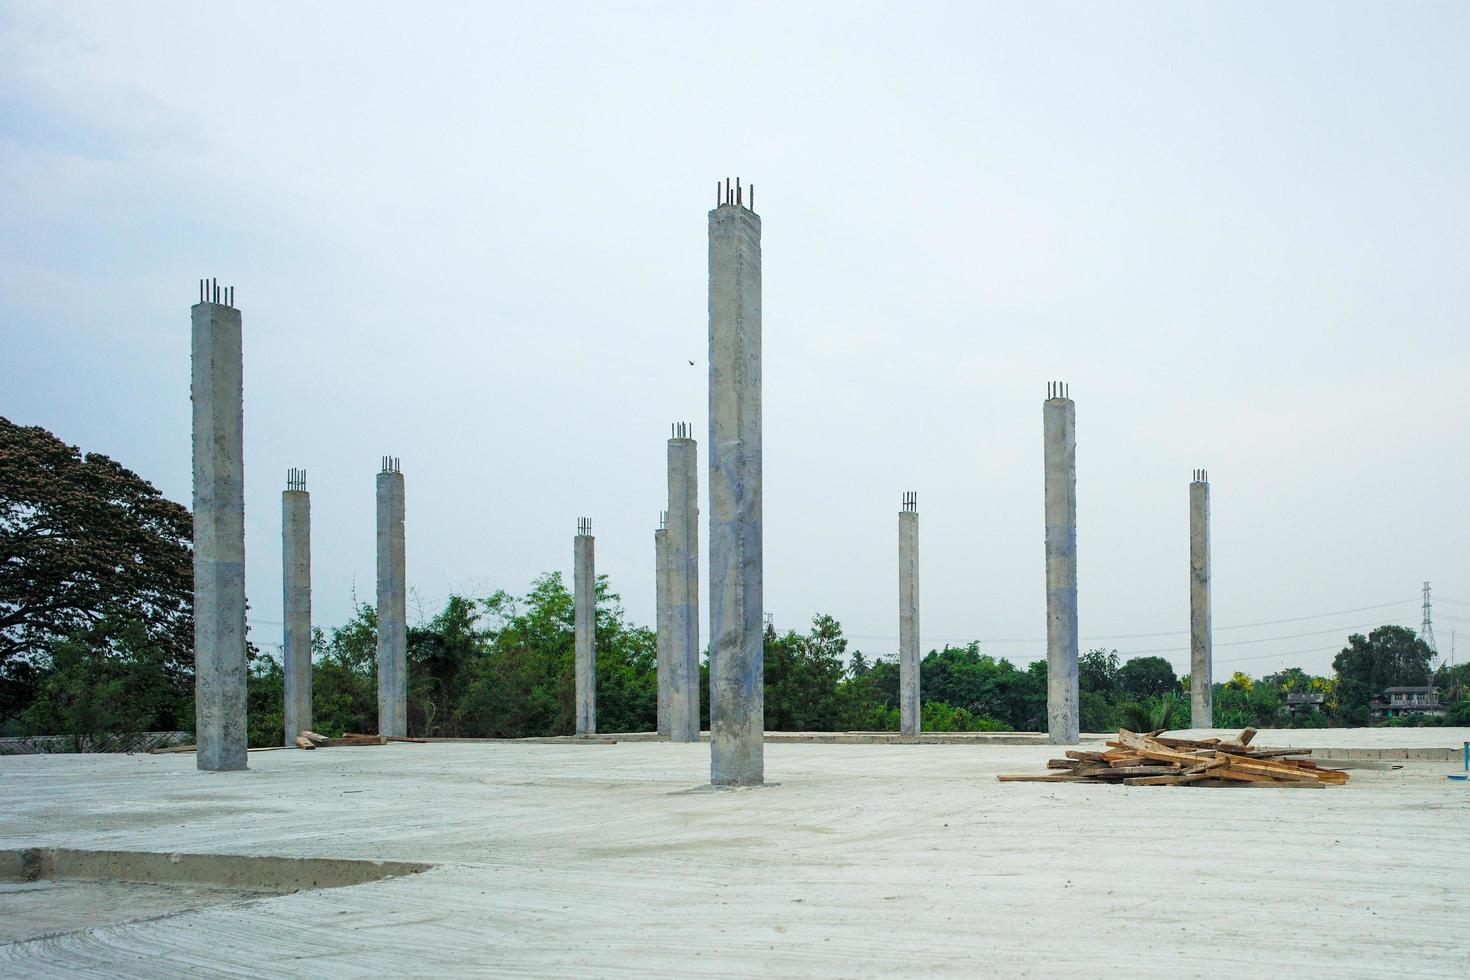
1155,760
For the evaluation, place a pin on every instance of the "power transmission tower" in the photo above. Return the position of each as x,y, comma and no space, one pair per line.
1426,632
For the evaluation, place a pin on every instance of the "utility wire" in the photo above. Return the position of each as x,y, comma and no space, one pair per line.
1145,636
1259,639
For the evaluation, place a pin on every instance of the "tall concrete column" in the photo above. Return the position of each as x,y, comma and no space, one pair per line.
584,611
1059,425
1201,642
216,389
296,602
663,613
908,615
737,652
683,566
392,603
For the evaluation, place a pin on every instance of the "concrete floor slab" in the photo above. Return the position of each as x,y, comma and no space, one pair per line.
862,859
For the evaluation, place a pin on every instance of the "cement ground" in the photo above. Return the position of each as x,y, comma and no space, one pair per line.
861,860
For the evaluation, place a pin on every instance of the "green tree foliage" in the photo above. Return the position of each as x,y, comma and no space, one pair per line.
804,675
85,542
986,687
1144,678
1389,656
111,678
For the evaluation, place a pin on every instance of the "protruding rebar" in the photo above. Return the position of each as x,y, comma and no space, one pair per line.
752,197
296,479
911,501
584,525
391,464
663,520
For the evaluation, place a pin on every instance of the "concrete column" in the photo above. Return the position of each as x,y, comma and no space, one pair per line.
296,602
392,603
1059,424
584,588
737,652
663,613
1201,642
908,616
216,389
683,573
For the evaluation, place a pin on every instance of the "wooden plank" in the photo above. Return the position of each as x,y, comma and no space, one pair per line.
1087,756
1236,775
1246,735
1178,779
1048,778
1276,769
302,742
1188,743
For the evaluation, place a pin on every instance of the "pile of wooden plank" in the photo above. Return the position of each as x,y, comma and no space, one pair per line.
311,740
1154,760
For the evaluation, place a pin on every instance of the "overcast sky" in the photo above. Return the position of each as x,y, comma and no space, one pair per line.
474,238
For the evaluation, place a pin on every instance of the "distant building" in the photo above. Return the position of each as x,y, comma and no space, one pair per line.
1299,701
1403,702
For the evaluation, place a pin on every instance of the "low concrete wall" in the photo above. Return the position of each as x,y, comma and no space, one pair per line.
111,742
242,871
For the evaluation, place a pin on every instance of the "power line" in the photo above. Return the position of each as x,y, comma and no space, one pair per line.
1259,639
1147,636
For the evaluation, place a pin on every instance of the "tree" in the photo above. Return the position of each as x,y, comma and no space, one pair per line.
1389,656
107,679
84,541
1143,678
1097,671
803,679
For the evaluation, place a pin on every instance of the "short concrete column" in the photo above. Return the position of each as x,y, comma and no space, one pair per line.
737,652
296,603
663,641
584,612
908,616
1059,425
1201,642
683,565
392,603
216,389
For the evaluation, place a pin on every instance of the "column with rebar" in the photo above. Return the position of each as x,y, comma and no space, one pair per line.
1201,689
737,684
584,624
908,616
216,390
1059,428
296,603
392,603
683,566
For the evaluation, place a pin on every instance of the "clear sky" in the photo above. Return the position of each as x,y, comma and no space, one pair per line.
474,237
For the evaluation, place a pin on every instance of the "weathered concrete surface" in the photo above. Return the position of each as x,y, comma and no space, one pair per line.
813,876
1059,424
737,653
296,600
219,536
683,475
584,598
663,612
1201,660
908,622
392,606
